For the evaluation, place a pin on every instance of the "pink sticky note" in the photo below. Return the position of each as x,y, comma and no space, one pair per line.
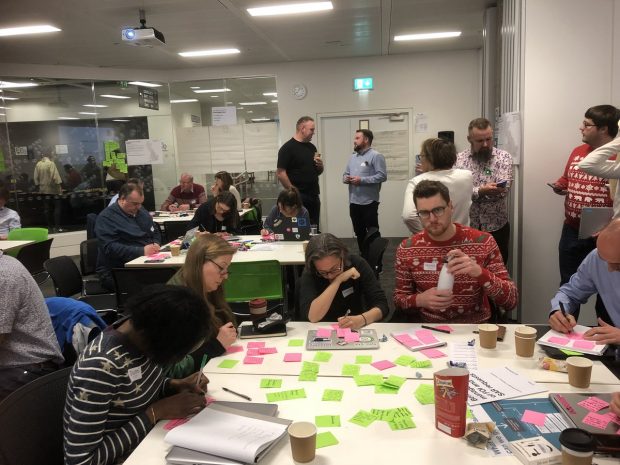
426,336
324,333
575,336
335,326
158,256
292,357
253,352
342,332
253,360
533,417
445,328
613,417
584,344
593,404
255,345
433,353
596,420
383,365
352,337
174,423
406,340
234,349
267,350
559,340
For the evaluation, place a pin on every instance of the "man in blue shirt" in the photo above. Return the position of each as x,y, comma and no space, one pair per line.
597,274
364,174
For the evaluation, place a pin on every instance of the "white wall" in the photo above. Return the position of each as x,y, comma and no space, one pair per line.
569,57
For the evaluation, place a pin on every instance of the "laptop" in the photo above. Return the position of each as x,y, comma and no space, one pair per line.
593,219
291,229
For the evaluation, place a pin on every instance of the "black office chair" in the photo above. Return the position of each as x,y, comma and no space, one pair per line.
31,422
173,230
33,256
89,250
376,249
130,281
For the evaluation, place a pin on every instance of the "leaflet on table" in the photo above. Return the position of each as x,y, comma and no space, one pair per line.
572,341
462,352
499,383
417,339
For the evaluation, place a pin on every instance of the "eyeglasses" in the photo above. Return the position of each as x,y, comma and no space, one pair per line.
585,124
223,271
325,274
437,211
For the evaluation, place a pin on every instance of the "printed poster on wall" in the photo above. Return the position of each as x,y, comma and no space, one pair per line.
224,116
144,152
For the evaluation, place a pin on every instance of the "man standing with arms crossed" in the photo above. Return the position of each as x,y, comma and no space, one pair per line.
299,165
491,169
364,174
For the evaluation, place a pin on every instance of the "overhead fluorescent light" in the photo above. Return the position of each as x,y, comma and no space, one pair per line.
194,87
209,53
18,31
143,84
229,103
6,108
92,105
252,103
260,119
214,96
289,9
10,85
429,36
270,94
184,100
121,120
274,101
68,117
2,114
249,111
239,108
211,91
114,96
86,113
2,97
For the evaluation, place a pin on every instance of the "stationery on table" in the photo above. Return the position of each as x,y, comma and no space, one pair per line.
418,339
588,411
572,341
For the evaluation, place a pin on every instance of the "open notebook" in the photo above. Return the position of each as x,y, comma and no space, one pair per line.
572,341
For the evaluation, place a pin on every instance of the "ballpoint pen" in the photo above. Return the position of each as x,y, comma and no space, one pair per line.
202,366
564,313
243,396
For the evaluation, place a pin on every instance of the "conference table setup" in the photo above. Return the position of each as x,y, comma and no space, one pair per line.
372,399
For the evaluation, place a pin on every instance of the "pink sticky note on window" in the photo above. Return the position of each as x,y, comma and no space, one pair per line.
383,365
324,333
255,345
267,350
234,349
174,423
253,360
426,336
533,417
559,340
584,345
433,353
596,420
292,357
445,328
593,404
352,337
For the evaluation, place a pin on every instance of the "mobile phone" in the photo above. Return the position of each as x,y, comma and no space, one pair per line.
158,260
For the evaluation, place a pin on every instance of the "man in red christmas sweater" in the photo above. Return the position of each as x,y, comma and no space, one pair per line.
474,260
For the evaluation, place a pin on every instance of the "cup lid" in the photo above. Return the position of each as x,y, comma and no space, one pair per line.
577,439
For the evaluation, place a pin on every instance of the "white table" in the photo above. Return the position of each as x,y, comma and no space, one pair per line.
187,215
8,245
287,253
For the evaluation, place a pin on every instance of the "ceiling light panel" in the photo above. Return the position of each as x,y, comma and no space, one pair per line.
291,9
210,53
25,30
428,36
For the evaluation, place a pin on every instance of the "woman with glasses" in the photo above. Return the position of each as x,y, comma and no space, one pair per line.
288,205
223,183
437,159
336,286
204,271
217,215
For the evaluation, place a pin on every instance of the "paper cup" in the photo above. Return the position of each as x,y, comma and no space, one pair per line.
488,335
524,346
579,371
577,447
175,250
303,441
305,246
526,332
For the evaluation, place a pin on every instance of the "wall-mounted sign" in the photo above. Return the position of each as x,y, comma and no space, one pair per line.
363,83
148,98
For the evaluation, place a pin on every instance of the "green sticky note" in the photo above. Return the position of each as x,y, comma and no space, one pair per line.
363,418
350,370
270,383
322,357
333,395
571,352
121,155
394,381
296,343
421,364
469,414
368,380
363,359
383,415
383,389
107,163
404,360
400,412
425,393
325,439
327,421
307,376
401,423
228,363
310,366
286,395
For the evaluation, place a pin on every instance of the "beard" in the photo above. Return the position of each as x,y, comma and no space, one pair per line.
357,148
483,155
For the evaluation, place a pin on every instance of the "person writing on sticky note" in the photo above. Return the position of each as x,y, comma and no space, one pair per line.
334,282
599,273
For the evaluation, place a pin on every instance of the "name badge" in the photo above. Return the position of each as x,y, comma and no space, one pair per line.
134,374
347,292
432,266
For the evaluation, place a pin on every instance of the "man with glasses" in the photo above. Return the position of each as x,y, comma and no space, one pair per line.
473,258
124,231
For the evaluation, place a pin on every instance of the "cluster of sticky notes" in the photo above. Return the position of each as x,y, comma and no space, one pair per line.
254,352
332,395
113,156
416,338
398,418
309,371
533,417
390,385
347,334
425,394
574,340
286,395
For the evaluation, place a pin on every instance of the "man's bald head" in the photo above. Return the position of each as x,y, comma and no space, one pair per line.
608,245
186,182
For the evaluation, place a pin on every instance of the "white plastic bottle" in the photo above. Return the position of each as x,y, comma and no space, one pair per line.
446,279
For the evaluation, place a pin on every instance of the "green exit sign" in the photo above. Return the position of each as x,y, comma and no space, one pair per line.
365,83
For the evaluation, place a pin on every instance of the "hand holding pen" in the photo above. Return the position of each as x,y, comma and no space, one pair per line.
351,321
561,321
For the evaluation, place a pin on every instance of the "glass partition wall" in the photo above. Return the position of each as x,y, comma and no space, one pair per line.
64,150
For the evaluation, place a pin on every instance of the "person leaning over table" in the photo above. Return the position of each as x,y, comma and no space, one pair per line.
598,273
334,282
218,215
204,271
117,390
288,205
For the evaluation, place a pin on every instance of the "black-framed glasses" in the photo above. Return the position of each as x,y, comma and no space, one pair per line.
585,124
326,274
437,211
223,271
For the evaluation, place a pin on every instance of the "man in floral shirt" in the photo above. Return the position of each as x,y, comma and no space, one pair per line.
492,175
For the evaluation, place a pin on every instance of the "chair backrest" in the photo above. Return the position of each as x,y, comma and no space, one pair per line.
89,249
28,234
65,276
130,281
91,219
31,421
33,256
254,280
174,229
376,249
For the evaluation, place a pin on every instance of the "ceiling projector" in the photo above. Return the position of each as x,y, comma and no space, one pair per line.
142,36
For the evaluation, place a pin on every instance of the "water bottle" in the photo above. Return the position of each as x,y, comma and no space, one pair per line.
446,279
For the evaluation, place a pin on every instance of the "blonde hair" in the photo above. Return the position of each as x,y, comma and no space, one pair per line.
203,249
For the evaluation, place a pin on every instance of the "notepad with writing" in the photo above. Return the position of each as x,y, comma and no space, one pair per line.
417,339
229,433
572,341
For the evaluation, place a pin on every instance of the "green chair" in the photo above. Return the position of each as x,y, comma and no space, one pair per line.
254,280
28,234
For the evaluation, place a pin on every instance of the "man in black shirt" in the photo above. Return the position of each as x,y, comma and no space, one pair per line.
299,165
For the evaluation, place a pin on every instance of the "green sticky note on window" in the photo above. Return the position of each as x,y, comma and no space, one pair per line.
350,370
333,395
325,439
425,393
228,363
310,366
296,343
363,418
421,364
401,423
307,376
286,395
107,163
322,357
270,383
404,360
327,421
363,359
